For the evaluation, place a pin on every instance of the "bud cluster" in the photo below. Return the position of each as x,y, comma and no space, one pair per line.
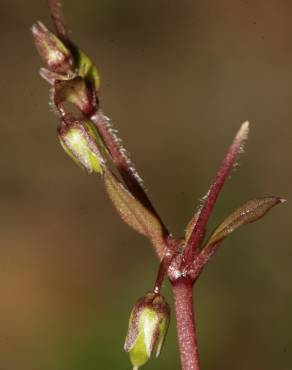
74,78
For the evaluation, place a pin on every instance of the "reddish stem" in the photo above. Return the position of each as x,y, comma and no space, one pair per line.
202,259
223,172
193,260
185,323
173,247
123,167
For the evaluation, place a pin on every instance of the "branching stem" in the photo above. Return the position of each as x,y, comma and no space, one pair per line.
181,260
222,174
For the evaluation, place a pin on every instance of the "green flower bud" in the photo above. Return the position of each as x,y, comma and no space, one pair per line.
148,326
81,141
53,52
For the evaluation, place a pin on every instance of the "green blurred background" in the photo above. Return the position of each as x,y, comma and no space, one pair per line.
178,79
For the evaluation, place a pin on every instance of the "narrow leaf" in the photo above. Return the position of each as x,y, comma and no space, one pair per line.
134,213
123,162
249,212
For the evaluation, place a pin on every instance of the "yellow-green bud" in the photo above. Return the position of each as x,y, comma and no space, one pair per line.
80,140
53,52
148,326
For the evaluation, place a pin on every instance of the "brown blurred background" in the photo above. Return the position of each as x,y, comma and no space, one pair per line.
178,79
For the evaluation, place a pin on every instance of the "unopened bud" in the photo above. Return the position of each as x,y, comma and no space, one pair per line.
148,326
53,52
80,140
74,91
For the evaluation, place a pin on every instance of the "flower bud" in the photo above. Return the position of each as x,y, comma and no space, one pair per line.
80,140
74,91
148,326
53,52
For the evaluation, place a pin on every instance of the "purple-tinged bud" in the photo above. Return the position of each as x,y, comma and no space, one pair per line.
75,91
53,52
148,326
80,140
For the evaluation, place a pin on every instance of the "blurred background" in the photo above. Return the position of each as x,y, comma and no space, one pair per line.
178,78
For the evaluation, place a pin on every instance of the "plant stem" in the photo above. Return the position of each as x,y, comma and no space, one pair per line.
185,323
209,203
123,166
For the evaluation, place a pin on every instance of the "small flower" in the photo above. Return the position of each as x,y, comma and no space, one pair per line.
74,91
80,140
148,326
53,52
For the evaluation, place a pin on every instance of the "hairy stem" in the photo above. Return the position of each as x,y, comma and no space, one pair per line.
123,167
185,323
222,174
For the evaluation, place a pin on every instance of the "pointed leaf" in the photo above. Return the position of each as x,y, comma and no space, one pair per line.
134,213
249,212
